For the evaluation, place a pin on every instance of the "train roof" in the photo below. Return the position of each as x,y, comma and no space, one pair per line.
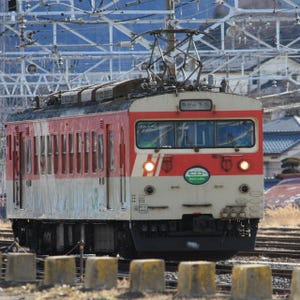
119,96
113,96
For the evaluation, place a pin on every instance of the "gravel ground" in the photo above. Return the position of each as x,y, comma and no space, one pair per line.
33,291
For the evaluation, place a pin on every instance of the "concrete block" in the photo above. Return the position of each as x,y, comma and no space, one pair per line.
251,282
21,267
196,279
295,285
147,275
60,270
101,272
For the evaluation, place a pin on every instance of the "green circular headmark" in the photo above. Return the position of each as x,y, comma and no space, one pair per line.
196,175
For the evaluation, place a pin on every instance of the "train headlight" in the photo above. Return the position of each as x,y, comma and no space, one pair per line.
244,165
149,166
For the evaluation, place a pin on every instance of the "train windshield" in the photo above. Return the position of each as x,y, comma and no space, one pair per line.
192,134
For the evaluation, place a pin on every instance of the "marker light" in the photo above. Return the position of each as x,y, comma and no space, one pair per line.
149,166
244,165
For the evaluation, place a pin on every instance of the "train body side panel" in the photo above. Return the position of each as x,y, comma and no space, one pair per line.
80,199
67,187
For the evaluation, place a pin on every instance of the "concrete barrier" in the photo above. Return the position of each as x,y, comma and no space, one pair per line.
101,272
147,275
196,279
60,270
21,267
251,282
295,285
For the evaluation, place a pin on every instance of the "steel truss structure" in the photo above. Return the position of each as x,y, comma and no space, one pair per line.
52,45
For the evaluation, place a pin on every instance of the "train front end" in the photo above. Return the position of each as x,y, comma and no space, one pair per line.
196,182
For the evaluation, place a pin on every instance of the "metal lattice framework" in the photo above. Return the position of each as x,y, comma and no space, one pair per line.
52,45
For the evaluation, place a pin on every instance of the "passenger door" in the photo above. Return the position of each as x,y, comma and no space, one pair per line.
122,168
110,165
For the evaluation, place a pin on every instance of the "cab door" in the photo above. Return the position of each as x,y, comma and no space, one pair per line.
115,158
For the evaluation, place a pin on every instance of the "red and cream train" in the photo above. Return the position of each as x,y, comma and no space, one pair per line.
135,169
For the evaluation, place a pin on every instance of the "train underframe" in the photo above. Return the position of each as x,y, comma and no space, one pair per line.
192,237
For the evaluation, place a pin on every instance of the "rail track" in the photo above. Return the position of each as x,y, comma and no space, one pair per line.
6,236
270,242
276,242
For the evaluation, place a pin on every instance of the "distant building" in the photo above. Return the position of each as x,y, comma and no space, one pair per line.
252,76
281,140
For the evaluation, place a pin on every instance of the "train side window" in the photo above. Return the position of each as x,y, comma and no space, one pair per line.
111,150
71,153
100,152
16,158
9,147
78,152
49,154
42,154
86,151
35,155
14,147
23,155
94,152
55,154
64,154
28,157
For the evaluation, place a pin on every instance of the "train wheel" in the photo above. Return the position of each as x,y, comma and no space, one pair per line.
47,244
125,244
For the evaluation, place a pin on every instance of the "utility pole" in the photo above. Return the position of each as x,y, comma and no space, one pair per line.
171,39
